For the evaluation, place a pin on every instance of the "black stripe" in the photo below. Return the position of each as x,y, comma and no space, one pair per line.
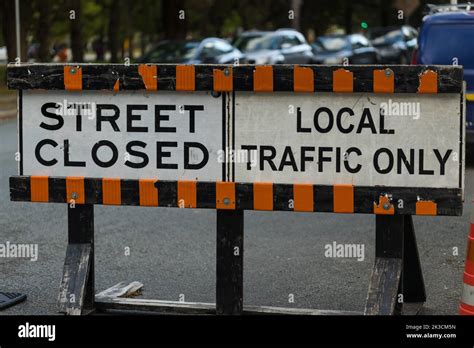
204,77
224,97
283,78
20,188
93,190
130,192
283,197
166,77
167,193
20,129
244,196
57,189
243,77
323,197
233,135
206,195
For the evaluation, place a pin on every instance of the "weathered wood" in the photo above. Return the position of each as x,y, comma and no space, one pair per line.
104,77
448,201
76,294
383,287
389,236
413,285
230,256
134,304
121,289
74,284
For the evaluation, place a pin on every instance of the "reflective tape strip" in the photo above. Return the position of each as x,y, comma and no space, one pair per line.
343,198
225,195
384,81
303,79
148,193
39,189
187,194
149,74
223,80
185,78
428,82
111,193
73,78
342,81
263,79
262,196
303,197
75,192
467,294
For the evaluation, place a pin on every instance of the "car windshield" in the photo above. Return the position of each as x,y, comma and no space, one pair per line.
172,52
389,38
243,43
261,43
336,43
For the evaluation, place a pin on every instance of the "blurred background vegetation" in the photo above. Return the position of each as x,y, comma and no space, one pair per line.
111,30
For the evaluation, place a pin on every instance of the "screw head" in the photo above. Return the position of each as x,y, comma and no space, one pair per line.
72,70
386,206
74,195
226,72
388,72
226,201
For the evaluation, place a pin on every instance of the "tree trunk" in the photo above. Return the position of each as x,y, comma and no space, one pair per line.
113,39
42,31
77,46
174,27
7,16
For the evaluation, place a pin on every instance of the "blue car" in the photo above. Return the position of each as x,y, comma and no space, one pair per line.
447,37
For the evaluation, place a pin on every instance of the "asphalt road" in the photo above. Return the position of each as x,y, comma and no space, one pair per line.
172,251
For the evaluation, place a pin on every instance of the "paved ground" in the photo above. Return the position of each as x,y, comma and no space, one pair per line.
173,252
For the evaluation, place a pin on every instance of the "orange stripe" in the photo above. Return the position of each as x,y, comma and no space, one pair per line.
39,188
303,79
470,250
262,196
149,74
343,198
303,197
223,82
263,79
148,193
342,80
380,208
225,195
111,192
75,185
73,78
384,81
428,82
426,208
117,85
187,194
185,78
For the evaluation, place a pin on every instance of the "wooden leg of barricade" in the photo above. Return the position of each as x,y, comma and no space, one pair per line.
76,293
396,277
229,263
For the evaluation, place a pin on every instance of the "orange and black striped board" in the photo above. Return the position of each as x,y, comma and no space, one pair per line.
237,196
226,78
403,181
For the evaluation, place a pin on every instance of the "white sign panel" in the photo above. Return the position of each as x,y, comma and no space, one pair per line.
361,139
165,135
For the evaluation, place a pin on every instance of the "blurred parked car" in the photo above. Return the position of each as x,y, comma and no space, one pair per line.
246,39
207,51
395,44
3,55
447,37
281,46
333,49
